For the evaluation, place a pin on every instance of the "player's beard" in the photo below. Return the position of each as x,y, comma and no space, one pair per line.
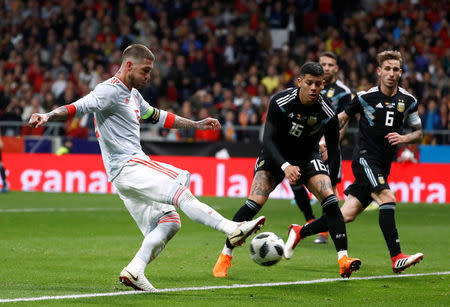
136,83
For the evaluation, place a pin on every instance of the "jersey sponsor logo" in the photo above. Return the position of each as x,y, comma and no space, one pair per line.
389,105
401,105
330,92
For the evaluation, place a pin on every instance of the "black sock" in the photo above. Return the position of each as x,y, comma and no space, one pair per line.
387,225
319,225
246,213
3,175
335,222
302,200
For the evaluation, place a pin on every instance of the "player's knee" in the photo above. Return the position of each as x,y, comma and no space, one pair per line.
348,217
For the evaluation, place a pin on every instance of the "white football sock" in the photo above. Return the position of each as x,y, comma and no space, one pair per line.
342,254
227,251
152,246
204,214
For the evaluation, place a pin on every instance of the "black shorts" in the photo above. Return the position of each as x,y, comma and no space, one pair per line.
310,165
370,176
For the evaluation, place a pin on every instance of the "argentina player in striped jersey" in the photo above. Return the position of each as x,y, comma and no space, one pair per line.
384,110
340,96
296,120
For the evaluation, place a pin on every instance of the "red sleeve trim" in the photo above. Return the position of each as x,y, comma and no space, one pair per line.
170,119
72,110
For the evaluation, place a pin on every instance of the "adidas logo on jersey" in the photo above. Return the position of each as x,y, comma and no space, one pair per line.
379,106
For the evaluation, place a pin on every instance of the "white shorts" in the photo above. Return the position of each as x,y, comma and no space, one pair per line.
148,189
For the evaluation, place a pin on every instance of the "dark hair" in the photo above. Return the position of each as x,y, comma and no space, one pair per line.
137,52
329,54
311,68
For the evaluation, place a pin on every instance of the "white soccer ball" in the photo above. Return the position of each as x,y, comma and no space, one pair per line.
266,248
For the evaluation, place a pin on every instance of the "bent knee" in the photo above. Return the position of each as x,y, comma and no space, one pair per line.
349,218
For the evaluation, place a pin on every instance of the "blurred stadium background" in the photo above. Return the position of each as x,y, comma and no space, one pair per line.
223,59
214,58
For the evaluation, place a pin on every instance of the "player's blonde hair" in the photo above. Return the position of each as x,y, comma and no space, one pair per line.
138,53
389,55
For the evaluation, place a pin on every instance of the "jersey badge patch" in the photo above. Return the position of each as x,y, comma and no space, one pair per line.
381,179
330,92
261,163
401,105
312,120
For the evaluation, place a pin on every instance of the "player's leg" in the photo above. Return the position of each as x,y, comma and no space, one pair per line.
320,185
158,228
303,202
263,184
3,175
163,183
400,261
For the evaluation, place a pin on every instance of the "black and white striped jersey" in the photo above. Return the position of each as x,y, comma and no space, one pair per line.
380,115
293,129
339,95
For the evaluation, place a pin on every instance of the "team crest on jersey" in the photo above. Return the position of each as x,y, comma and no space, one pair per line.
381,179
330,92
312,120
261,163
401,105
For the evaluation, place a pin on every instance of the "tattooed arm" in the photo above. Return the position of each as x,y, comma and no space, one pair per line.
40,119
413,137
204,124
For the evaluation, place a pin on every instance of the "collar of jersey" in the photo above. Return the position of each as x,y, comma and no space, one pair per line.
123,83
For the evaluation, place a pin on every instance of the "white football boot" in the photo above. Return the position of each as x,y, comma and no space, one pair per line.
137,281
245,229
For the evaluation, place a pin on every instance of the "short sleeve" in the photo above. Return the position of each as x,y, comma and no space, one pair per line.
100,99
354,107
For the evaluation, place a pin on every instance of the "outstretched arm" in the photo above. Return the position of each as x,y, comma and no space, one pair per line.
204,124
40,119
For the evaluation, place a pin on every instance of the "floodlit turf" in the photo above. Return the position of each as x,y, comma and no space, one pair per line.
70,249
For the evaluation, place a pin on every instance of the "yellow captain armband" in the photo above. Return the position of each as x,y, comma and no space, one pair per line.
149,113
153,114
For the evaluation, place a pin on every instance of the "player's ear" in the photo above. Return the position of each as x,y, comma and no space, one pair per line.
129,65
379,71
299,79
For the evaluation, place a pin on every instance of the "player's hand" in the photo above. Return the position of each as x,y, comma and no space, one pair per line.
394,138
323,151
292,173
208,123
37,120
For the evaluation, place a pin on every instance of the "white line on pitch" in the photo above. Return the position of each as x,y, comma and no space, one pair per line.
273,284
27,210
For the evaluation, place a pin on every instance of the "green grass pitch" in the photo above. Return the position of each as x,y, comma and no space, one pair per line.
68,244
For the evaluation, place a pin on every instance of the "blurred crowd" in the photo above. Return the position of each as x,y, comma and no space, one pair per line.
216,58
